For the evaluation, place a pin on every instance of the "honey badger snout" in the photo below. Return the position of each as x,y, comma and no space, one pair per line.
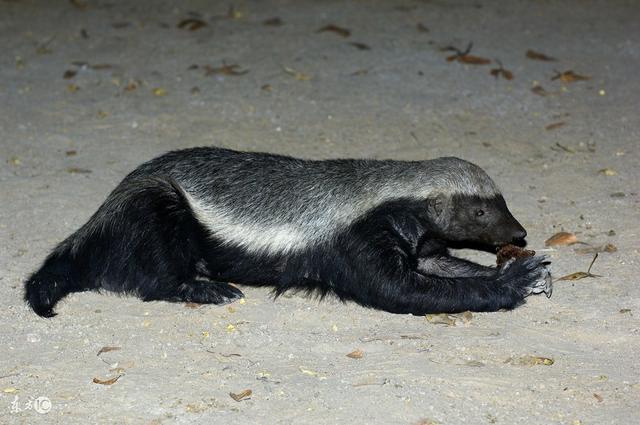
514,232
482,219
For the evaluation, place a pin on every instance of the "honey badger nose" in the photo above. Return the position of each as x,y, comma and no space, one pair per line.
519,234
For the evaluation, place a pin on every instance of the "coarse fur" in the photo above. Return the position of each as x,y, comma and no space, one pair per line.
182,226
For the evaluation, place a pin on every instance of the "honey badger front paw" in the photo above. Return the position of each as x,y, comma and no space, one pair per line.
527,275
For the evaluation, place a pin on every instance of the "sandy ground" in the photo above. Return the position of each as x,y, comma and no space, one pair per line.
65,143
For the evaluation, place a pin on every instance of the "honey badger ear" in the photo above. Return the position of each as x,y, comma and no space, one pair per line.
437,204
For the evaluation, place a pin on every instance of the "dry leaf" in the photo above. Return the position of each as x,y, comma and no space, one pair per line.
578,276
159,91
569,77
69,74
357,354
501,72
241,395
360,46
555,125
582,275
308,371
343,32
131,86
440,319
531,361
233,69
469,59
192,24
300,76
106,381
532,54
598,397
76,170
607,172
71,153
421,27
608,247
561,239
192,305
539,90
273,22
108,349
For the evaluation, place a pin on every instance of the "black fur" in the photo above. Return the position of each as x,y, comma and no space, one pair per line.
146,241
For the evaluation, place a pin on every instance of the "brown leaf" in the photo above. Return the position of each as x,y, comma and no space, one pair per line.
531,361
608,247
470,59
233,69
241,395
569,77
273,22
598,397
300,76
532,54
582,275
131,86
108,349
501,72
421,27
555,125
539,90
191,24
357,354
69,74
561,239
343,32
360,46
71,153
192,305
106,381
578,276
76,170
473,60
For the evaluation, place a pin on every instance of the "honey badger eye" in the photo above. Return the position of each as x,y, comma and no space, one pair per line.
479,213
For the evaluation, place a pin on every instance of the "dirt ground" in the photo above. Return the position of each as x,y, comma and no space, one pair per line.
566,156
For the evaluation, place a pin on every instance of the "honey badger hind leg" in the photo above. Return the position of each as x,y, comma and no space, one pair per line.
143,241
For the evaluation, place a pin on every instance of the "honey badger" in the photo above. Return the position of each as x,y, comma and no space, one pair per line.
182,226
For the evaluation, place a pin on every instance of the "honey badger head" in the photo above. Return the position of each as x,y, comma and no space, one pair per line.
468,207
